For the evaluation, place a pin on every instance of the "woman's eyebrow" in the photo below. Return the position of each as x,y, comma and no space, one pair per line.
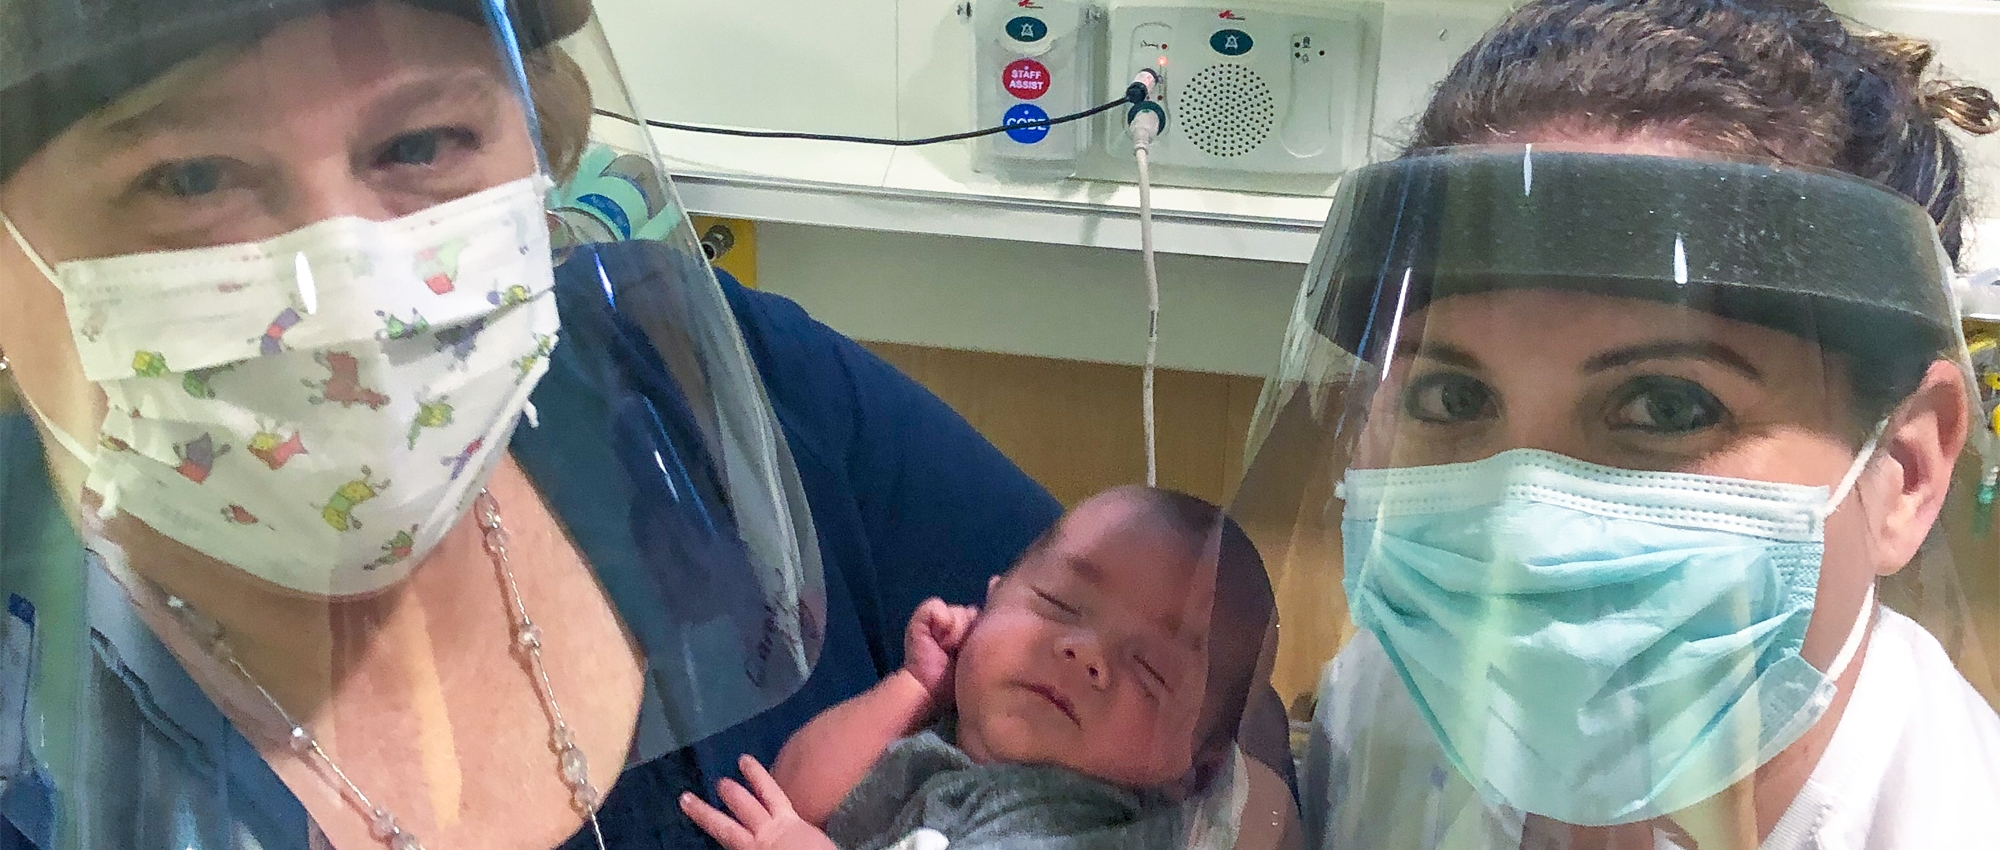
1447,354
459,88
174,115
1713,352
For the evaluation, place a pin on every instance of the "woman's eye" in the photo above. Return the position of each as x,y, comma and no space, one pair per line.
1448,398
421,148
189,179
1663,405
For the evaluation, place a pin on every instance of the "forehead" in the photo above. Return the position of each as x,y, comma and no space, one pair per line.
1120,547
310,66
1562,323
355,38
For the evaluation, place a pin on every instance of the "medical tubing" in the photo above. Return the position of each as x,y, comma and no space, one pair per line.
1152,317
1131,92
1144,121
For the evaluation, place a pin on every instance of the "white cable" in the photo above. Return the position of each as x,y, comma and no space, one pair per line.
1152,311
1144,122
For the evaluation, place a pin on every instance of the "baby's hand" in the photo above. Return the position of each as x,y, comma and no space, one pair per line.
931,644
764,821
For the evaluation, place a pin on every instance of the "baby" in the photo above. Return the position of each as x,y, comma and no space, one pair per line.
1100,686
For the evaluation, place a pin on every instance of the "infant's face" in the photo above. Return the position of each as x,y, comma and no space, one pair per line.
1092,653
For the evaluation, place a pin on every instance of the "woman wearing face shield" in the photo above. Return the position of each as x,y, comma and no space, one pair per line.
1636,392
283,572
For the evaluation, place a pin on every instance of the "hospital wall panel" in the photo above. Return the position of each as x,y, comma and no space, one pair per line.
1075,426
1053,301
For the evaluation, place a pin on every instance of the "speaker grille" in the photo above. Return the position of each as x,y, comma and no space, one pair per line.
1227,110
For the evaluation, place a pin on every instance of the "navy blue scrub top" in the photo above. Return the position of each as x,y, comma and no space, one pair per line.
907,500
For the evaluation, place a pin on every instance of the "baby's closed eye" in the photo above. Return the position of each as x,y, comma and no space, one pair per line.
1155,680
1063,610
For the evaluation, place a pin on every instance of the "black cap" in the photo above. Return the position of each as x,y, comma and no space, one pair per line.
1833,258
61,60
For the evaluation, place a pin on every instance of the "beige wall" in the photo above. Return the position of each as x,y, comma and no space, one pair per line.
1053,301
1075,426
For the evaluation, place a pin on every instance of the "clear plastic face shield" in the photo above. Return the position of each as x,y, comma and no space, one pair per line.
1590,485
361,391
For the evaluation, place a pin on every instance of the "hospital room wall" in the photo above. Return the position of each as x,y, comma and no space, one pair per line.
1039,345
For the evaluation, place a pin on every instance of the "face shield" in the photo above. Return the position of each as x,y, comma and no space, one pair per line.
1581,480
364,367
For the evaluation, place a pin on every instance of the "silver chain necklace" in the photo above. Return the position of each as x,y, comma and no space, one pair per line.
527,640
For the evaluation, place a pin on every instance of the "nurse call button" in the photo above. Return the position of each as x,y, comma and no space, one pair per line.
1026,113
1230,42
1026,79
1027,28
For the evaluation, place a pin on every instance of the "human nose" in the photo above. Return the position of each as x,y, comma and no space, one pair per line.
1560,438
323,193
1575,436
1546,419
1084,654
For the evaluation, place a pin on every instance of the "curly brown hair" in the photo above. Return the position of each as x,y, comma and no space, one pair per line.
1784,79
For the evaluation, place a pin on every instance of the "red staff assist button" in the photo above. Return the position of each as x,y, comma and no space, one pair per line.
1026,79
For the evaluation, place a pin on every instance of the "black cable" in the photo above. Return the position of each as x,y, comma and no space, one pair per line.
1133,94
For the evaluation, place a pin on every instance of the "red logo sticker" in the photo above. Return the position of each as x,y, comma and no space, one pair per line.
1230,15
1026,79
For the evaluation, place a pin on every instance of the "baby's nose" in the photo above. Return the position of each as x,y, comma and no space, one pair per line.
1084,653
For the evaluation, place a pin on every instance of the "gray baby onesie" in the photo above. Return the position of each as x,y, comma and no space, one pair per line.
923,781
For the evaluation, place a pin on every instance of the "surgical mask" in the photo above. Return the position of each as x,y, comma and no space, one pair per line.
320,408
1591,644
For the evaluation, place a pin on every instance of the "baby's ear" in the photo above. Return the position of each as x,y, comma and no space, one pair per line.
993,584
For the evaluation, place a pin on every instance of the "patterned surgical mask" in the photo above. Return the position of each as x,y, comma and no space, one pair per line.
320,408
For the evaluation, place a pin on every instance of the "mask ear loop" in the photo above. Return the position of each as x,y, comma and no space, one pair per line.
22,241
1861,459
1853,645
70,444
75,447
1862,618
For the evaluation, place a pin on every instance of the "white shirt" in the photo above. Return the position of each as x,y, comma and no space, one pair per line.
1914,764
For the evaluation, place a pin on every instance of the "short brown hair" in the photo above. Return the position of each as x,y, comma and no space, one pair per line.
561,94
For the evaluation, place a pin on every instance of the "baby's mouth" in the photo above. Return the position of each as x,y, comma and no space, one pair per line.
1056,699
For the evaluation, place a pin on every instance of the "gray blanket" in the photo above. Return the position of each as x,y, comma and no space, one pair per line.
925,781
